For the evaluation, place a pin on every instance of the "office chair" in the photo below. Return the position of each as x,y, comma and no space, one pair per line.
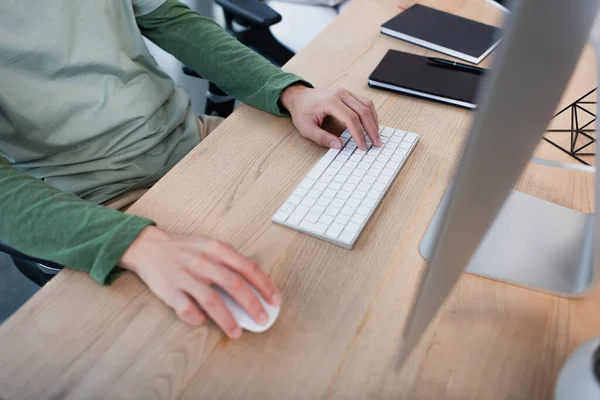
256,24
37,270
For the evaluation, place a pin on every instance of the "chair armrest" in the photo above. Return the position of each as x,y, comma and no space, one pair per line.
250,12
17,254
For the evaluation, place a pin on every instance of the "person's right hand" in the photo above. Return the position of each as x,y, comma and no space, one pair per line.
181,269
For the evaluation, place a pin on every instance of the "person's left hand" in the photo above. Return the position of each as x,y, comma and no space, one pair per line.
309,108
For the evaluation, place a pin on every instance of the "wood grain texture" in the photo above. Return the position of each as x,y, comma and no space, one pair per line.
343,311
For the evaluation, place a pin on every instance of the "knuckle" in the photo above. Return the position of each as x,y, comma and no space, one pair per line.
234,282
340,91
354,119
186,310
219,246
211,299
366,111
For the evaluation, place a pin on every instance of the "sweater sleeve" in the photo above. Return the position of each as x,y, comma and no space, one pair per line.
203,45
43,222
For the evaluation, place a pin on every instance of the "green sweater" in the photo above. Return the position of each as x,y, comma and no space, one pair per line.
45,222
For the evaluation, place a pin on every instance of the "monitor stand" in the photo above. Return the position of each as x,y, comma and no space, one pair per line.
532,243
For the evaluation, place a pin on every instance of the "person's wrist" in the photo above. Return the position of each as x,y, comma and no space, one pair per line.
290,94
136,253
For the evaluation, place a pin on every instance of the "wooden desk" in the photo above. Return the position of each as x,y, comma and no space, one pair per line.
343,311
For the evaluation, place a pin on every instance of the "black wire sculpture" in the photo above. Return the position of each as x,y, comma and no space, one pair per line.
578,132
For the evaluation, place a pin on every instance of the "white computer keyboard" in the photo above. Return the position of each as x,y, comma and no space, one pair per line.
338,196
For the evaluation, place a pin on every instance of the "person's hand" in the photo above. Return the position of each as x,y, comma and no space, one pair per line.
181,269
309,108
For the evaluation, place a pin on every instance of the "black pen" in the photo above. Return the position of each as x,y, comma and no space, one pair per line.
457,65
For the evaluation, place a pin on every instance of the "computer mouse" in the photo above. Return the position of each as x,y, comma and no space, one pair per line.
243,318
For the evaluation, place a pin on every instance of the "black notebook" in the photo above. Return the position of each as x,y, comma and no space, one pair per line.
418,76
449,34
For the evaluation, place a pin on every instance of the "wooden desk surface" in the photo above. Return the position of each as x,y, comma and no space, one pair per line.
343,311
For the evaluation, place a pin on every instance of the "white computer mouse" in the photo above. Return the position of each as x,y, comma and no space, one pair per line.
243,318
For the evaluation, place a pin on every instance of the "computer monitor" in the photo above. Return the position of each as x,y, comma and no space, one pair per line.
542,43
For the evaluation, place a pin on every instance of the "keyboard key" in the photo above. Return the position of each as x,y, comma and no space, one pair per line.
316,228
359,172
353,203
384,179
373,194
369,158
364,186
326,219
313,193
280,216
338,203
347,210
383,159
332,210
346,237
336,164
398,157
297,215
374,151
387,132
323,201
387,172
355,157
329,172
354,180
378,186
307,201
351,164
358,219
342,157
295,200
312,218
368,180
395,139
344,141
410,137
351,145
384,139
287,207
405,145
373,172
346,134
335,186
347,152
363,165
300,192
306,183
391,146
363,210
342,219
322,164
317,209
350,187
387,152
393,165
339,178
378,165
352,227
342,194
329,193
334,230
369,202
320,186
358,194
326,178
